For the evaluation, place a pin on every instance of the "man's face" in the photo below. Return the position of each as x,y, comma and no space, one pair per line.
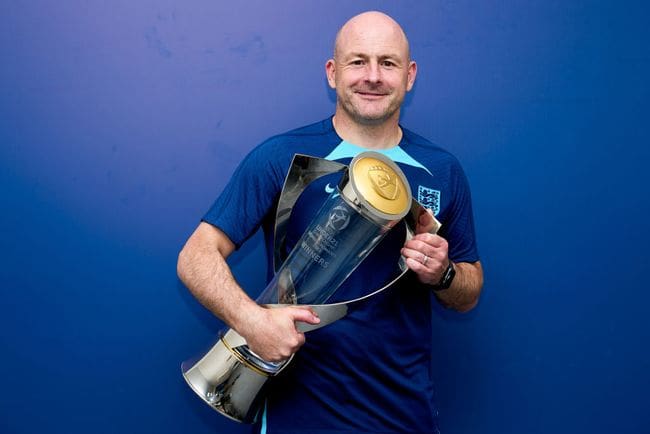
371,72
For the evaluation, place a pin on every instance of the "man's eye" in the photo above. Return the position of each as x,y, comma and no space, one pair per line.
357,62
387,63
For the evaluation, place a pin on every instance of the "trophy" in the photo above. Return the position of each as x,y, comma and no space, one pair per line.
372,197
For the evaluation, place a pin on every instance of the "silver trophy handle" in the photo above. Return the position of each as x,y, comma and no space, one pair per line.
303,171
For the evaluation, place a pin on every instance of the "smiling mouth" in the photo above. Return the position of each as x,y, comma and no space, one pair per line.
371,95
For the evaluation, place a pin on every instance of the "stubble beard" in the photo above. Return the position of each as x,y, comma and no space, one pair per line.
345,102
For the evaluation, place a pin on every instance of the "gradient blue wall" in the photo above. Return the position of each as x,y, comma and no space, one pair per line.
120,122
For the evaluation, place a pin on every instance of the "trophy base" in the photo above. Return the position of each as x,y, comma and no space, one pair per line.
230,378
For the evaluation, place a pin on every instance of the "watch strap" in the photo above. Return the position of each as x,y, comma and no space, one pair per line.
446,279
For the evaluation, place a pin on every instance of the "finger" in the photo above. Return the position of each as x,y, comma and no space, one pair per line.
425,263
304,314
414,254
423,247
300,339
425,275
430,239
425,217
432,251
416,266
426,221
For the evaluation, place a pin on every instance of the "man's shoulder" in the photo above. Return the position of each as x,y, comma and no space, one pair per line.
418,141
320,128
315,139
313,132
425,149
275,153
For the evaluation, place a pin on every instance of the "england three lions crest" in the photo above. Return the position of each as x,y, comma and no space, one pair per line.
429,198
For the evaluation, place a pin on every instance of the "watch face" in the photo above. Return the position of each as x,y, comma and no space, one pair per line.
448,277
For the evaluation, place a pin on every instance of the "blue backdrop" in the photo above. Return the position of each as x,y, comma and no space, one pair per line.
121,121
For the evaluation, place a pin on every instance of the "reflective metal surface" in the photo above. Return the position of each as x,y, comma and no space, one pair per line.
379,183
226,381
372,198
302,172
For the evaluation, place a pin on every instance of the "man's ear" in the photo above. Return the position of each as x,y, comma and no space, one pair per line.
330,70
412,72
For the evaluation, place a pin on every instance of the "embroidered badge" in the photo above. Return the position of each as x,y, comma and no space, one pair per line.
429,198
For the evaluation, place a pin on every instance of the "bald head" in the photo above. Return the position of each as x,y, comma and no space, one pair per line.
371,25
371,72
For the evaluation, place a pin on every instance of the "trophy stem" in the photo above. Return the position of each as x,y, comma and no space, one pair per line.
230,378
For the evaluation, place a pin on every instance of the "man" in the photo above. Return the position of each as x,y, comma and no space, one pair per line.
368,372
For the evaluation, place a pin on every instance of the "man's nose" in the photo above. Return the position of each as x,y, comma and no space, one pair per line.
373,72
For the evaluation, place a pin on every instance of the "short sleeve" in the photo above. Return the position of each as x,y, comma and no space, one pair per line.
248,197
459,229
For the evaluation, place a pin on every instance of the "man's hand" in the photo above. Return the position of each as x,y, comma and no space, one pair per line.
271,333
426,254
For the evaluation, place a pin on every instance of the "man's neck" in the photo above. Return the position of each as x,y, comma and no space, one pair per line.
381,136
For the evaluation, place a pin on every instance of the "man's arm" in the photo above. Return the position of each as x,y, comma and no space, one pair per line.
270,333
465,290
427,255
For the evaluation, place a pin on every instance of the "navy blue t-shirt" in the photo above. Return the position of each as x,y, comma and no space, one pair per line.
370,371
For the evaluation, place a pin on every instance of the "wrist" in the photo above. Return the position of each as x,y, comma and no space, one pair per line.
245,316
446,279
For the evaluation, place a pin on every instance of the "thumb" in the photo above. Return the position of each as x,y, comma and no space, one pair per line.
304,314
426,221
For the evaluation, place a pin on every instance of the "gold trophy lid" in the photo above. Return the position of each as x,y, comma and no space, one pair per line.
380,186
